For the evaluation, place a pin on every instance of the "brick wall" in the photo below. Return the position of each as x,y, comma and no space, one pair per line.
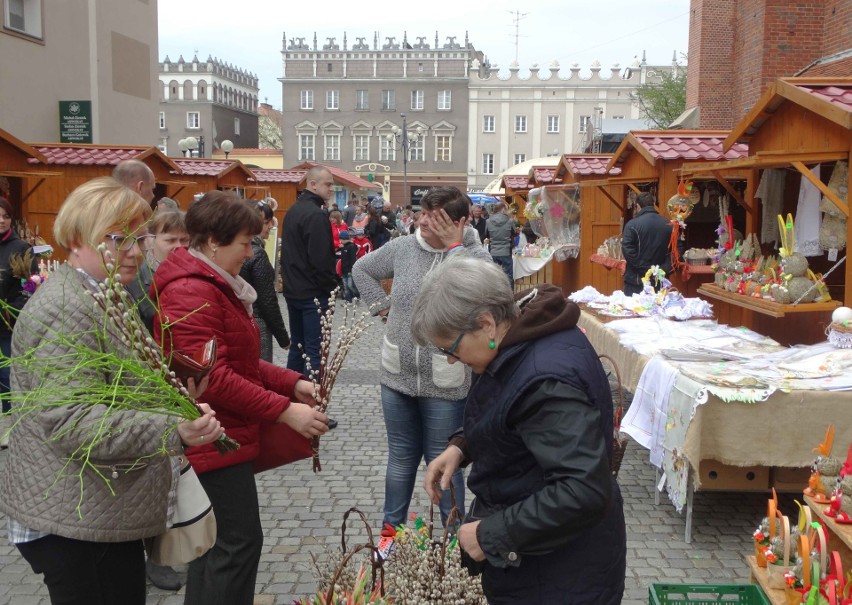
737,47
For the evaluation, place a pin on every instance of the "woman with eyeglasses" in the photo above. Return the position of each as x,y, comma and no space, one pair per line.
202,296
422,394
547,521
83,533
258,272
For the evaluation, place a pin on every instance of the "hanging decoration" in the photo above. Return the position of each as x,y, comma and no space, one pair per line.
679,208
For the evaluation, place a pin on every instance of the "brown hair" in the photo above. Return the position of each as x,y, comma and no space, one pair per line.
222,216
455,203
6,205
167,221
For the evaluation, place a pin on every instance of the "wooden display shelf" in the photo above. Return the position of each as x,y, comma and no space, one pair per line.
760,305
839,535
759,576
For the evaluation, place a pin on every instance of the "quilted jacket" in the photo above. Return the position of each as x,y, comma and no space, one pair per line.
258,272
39,487
196,304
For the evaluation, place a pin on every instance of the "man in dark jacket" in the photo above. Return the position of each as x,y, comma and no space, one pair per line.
645,242
308,266
477,221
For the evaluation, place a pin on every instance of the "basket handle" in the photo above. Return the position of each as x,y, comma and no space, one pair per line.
376,561
619,410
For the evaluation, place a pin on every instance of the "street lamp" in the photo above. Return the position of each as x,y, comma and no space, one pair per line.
188,146
227,146
405,140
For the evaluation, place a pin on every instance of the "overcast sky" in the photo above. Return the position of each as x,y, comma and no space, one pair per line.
247,33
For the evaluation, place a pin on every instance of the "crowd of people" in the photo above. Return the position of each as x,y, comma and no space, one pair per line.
470,373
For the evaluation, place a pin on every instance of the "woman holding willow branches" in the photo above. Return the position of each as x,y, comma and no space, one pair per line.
91,464
201,297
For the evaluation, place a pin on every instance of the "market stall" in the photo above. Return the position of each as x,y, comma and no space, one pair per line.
799,136
281,185
67,166
653,161
18,180
197,176
345,182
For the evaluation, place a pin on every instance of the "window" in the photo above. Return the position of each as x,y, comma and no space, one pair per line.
520,123
445,100
617,117
362,102
236,127
487,123
443,148
307,100
387,151
332,99
306,147
162,120
519,158
417,100
24,16
361,145
388,100
552,124
584,123
193,119
417,150
332,147
487,163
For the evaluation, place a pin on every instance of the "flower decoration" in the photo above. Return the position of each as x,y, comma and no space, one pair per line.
29,286
771,557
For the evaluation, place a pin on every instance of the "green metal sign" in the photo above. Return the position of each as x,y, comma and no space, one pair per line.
75,121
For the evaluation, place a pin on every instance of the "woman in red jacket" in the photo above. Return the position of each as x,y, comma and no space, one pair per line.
202,296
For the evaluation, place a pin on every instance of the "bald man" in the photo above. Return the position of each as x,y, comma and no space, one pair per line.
137,176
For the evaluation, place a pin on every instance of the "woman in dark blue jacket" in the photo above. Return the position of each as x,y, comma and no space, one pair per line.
547,524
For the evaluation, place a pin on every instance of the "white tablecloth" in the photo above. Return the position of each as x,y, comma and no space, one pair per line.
524,266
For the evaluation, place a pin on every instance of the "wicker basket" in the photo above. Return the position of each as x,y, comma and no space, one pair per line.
698,262
619,439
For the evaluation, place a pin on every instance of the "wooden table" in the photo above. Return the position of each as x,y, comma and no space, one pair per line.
761,577
761,305
839,535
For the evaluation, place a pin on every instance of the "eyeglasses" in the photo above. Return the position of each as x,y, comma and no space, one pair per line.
451,351
124,243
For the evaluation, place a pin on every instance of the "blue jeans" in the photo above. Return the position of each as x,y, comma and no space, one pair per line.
350,291
418,428
506,264
305,330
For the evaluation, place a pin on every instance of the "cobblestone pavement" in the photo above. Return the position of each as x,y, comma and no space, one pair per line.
302,511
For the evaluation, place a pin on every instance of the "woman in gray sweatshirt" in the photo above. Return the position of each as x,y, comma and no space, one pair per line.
422,393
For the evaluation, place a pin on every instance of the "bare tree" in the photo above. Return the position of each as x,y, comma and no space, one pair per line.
270,127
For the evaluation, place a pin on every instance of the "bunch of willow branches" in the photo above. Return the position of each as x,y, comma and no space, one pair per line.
354,324
139,379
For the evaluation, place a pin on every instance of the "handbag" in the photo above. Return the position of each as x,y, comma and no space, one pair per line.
280,445
193,530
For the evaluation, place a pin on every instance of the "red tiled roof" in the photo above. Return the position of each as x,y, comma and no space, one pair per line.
269,175
689,147
589,165
543,174
516,181
87,156
200,167
340,175
839,96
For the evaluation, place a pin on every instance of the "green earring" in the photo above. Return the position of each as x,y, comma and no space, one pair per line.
492,344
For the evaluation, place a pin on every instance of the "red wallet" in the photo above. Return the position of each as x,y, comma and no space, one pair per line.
197,365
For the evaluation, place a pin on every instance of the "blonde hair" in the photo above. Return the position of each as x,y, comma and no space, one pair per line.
167,221
94,209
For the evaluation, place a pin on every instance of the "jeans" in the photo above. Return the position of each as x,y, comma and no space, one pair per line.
6,348
349,289
418,428
506,264
88,573
305,330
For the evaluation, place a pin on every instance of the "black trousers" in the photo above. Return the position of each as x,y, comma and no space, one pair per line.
227,574
88,573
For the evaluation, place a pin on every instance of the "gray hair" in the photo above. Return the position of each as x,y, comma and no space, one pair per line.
454,296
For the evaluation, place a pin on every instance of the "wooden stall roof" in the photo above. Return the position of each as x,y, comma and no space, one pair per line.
573,167
207,167
272,175
830,98
22,150
542,175
340,176
690,145
71,154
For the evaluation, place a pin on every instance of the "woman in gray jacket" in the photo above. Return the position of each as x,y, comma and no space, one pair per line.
422,393
78,510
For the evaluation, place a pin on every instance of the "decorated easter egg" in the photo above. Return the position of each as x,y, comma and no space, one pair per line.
841,314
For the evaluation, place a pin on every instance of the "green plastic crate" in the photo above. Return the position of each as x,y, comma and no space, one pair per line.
706,594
